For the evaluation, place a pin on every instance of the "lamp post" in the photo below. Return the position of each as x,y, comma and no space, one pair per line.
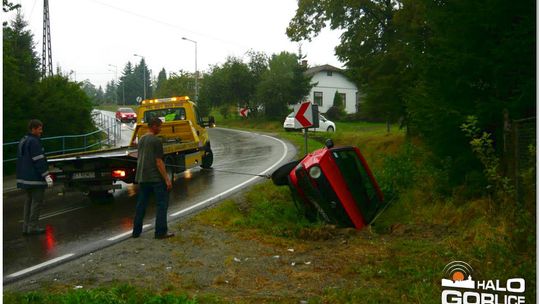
144,75
196,72
115,83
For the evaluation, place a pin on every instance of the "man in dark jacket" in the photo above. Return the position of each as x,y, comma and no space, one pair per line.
32,176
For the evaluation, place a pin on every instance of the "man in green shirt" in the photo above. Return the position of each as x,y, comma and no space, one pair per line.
152,177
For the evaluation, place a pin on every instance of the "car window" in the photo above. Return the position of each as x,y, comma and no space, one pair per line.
291,115
126,110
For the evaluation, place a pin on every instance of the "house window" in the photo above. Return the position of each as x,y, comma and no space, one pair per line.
317,98
328,73
343,99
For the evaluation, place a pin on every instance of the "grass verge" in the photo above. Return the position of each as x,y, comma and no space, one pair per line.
400,259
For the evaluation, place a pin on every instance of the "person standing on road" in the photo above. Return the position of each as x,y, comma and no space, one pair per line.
152,177
32,176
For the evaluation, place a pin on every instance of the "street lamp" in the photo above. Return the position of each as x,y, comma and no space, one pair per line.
115,83
144,75
196,72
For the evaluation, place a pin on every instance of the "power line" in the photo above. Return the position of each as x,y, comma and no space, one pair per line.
168,24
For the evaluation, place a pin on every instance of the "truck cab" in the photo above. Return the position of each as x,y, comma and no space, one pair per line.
183,132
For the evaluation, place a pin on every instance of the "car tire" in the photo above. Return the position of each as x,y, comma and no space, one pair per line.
280,176
330,129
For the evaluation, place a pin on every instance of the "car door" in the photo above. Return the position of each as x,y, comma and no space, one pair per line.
323,123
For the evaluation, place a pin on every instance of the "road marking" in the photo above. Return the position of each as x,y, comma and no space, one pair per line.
55,260
286,150
114,238
48,215
49,262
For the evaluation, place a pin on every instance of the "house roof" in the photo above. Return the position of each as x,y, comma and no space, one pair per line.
321,68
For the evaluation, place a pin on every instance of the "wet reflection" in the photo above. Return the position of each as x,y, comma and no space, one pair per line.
126,223
72,228
49,242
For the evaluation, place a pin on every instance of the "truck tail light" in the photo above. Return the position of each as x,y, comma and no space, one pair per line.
119,173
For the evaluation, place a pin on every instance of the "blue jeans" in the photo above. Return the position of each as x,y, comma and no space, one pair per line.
162,204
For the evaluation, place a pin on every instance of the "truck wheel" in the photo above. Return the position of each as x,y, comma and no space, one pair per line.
207,159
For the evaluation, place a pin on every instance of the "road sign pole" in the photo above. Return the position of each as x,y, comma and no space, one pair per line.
305,139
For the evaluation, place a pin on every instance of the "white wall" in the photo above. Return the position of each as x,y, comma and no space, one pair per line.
329,85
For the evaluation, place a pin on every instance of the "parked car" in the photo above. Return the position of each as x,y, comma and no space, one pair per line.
333,184
126,115
325,125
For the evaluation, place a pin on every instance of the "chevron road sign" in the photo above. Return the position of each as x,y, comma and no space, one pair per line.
303,115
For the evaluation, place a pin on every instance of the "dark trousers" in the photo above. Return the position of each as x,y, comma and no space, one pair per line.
162,204
32,208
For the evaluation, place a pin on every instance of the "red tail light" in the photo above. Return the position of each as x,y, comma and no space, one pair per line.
119,173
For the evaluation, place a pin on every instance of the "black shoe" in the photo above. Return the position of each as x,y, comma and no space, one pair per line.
164,236
135,235
35,231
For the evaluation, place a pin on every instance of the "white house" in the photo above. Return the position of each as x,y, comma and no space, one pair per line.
329,79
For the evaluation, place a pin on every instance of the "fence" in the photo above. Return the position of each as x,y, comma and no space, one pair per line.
107,135
519,137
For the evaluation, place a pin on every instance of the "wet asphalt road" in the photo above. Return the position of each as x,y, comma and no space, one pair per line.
75,225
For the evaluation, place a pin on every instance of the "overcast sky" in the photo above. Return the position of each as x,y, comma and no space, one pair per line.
88,35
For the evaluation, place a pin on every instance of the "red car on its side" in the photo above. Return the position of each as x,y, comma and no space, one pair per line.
333,184
126,115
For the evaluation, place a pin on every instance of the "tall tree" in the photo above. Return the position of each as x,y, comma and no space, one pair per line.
63,106
21,74
127,90
284,83
371,47
178,84
229,84
161,79
142,79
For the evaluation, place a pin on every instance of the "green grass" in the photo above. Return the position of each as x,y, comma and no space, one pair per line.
109,295
424,229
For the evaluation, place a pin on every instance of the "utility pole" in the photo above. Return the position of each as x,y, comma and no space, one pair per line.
196,72
46,54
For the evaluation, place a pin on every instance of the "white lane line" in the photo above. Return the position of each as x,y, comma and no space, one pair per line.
114,238
19,273
48,215
286,150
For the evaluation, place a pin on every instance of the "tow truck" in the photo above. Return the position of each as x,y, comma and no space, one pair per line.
185,145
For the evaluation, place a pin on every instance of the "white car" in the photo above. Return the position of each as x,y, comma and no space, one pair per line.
325,125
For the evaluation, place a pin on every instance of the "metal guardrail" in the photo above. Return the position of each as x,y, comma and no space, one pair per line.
105,124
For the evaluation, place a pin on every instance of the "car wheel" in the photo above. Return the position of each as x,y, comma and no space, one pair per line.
330,129
280,176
